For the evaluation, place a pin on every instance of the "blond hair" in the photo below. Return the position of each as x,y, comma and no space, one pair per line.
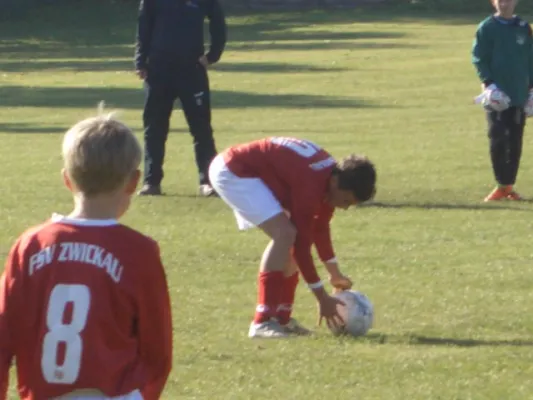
100,154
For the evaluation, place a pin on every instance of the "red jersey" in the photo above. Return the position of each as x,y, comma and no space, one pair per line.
297,172
84,304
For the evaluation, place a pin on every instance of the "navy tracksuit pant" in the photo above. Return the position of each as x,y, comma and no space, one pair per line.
506,131
167,81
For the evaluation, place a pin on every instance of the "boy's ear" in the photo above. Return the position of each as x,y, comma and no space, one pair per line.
66,180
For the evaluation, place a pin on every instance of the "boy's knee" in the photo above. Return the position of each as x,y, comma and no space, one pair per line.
285,234
280,229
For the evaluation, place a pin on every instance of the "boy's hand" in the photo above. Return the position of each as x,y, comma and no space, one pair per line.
340,282
493,99
328,310
336,278
529,105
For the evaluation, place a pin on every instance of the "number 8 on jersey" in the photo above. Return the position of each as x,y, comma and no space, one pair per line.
67,334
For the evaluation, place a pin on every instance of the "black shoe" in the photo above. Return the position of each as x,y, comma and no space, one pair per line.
150,190
207,190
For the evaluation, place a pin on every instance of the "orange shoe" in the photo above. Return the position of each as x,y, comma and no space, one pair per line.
512,195
499,193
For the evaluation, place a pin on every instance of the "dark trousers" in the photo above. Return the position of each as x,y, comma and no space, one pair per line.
506,130
165,83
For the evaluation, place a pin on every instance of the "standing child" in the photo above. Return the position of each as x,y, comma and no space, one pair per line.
503,57
84,304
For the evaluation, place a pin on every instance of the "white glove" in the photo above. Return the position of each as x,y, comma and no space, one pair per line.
529,105
493,99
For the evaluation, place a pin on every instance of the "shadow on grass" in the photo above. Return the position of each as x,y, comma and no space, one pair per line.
127,98
23,57
269,30
79,65
316,45
23,127
448,206
439,341
444,341
76,65
272,67
384,14
99,36
102,13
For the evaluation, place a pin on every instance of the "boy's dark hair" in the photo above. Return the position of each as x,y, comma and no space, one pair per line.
357,174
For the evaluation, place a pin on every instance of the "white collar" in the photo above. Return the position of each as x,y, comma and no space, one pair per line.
58,218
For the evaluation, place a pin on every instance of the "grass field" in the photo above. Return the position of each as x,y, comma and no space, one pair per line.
450,277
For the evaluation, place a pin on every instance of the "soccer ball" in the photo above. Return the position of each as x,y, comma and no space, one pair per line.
357,314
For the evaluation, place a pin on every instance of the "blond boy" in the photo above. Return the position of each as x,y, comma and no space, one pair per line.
84,304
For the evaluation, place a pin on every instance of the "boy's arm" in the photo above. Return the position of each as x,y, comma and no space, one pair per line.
481,55
302,216
324,247
530,56
302,248
7,307
322,235
5,352
154,325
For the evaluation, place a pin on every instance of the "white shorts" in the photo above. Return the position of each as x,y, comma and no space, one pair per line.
251,200
79,395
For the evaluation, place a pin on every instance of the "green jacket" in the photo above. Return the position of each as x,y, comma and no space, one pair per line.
503,54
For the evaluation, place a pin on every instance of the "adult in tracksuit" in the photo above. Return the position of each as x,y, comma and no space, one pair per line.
171,59
503,56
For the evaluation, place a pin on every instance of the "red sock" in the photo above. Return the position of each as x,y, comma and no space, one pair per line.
270,286
290,283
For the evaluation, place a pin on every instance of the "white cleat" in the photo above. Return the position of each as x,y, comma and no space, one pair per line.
293,327
207,191
267,330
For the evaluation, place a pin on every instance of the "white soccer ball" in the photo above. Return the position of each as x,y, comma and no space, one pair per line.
357,314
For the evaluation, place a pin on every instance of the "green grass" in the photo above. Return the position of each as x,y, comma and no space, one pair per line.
450,277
